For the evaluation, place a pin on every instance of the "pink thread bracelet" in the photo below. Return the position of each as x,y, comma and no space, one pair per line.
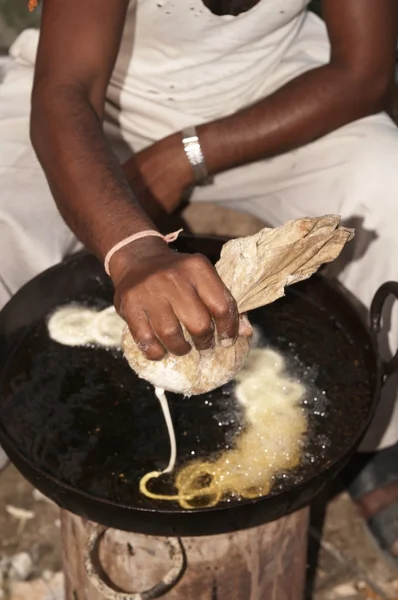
170,237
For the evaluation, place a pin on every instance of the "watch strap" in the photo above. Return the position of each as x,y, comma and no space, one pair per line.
193,151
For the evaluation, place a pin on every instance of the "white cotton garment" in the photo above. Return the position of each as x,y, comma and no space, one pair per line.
179,64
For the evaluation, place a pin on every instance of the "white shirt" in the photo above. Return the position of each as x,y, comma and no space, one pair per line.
179,64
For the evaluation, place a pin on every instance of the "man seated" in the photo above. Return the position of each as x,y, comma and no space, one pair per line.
288,112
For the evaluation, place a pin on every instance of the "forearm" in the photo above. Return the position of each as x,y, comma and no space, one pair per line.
84,175
305,109
151,205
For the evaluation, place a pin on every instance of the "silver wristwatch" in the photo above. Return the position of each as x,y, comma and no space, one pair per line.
195,156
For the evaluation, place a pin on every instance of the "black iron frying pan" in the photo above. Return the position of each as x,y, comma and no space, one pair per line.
83,428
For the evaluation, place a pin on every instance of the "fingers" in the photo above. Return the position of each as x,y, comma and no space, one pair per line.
171,290
226,318
157,329
218,301
144,336
196,318
166,327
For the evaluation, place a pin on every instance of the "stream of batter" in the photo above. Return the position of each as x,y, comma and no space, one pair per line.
269,445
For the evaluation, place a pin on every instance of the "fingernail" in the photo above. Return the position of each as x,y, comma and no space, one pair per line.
245,327
227,342
246,320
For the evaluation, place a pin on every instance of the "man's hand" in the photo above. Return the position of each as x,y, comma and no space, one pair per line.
157,290
160,174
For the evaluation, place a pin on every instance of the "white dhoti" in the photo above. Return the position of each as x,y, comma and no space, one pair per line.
352,172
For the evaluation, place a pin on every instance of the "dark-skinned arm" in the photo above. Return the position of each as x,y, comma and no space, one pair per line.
78,46
355,83
156,289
